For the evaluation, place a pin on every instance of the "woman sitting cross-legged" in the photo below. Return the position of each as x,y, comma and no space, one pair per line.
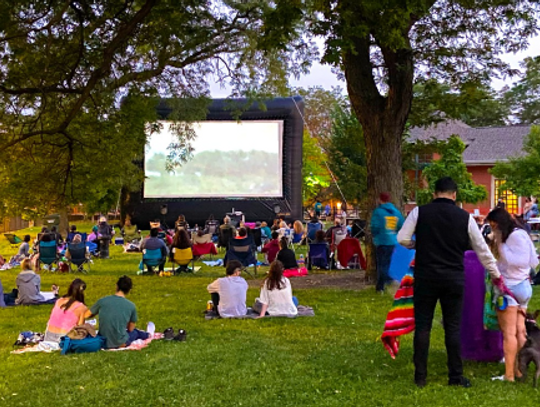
68,312
276,294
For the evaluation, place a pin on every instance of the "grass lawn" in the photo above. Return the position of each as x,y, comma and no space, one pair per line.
333,359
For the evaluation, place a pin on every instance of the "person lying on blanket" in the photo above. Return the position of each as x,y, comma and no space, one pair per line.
276,294
117,317
229,293
68,312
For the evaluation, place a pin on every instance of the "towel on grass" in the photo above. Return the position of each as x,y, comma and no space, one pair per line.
400,318
303,311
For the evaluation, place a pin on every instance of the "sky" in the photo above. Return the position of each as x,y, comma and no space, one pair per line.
321,75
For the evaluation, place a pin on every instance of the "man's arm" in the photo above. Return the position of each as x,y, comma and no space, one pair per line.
481,248
213,287
406,232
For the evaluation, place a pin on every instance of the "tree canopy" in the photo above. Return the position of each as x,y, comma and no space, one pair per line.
67,66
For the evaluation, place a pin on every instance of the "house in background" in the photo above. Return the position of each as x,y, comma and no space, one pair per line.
485,147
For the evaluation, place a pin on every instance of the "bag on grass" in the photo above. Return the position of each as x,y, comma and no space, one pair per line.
491,323
87,345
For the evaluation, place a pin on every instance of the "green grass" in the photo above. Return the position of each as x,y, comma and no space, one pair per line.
333,359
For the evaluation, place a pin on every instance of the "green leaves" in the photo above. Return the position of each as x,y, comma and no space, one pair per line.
451,164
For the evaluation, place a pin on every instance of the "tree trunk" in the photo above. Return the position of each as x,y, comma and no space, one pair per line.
63,228
383,120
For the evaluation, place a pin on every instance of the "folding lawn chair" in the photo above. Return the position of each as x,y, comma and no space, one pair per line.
153,258
311,229
257,237
203,245
317,256
349,254
13,239
297,239
225,236
48,254
242,250
78,260
183,258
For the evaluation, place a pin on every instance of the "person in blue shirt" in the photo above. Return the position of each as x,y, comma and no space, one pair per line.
318,208
386,221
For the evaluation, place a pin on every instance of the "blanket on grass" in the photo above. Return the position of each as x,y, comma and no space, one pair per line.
303,311
400,318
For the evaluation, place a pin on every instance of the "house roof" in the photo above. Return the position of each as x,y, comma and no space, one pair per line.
485,145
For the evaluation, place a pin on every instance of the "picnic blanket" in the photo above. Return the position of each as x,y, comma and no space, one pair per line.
303,311
400,318
300,272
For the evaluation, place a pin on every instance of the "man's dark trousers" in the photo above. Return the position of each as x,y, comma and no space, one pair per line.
426,295
384,257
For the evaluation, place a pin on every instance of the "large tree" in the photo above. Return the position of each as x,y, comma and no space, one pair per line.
382,46
524,96
76,76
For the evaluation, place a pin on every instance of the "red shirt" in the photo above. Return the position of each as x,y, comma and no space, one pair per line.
271,249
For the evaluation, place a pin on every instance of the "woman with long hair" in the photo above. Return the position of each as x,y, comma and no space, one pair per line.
68,312
181,239
276,294
516,256
286,255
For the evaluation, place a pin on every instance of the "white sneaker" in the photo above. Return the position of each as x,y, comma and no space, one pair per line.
151,328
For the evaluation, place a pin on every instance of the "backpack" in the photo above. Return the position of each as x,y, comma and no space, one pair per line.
86,345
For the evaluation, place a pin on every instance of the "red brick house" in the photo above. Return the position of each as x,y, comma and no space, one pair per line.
485,147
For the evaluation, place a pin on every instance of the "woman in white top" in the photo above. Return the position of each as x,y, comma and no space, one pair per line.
515,258
276,294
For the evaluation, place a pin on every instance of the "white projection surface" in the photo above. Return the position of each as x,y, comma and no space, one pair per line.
230,160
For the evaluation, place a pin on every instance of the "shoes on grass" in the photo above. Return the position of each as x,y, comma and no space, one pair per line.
462,381
168,334
181,336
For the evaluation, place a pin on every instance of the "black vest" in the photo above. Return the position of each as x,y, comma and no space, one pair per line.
442,237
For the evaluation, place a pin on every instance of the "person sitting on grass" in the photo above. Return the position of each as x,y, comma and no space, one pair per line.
276,294
130,232
229,293
265,230
286,255
154,242
117,317
272,247
68,312
29,287
24,248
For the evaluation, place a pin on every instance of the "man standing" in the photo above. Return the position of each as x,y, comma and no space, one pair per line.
386,220
117,317
443,233
318,209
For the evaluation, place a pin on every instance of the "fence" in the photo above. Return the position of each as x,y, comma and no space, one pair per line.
13,224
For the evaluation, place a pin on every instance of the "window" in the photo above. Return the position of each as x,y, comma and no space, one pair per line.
509,197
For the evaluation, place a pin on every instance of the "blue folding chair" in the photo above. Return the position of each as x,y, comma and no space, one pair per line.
48,254
77,253
242,250
152,258
317,256
311,229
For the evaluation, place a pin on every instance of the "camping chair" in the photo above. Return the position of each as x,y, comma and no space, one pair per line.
182,257
152,258
78,258
359,229
212,227
225,236
297,239
243,251
311,229
48,254
257,237
317,255
349,254
13,239
203,245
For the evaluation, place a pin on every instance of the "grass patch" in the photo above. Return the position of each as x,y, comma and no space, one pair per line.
333,359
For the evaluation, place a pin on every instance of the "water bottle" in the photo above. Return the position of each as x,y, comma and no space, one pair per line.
301,261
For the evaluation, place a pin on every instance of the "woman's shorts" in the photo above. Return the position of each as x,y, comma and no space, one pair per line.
522,292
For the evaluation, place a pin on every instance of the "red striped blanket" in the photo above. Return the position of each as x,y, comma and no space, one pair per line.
400,318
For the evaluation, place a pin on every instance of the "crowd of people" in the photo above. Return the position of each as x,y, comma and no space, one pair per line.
440,232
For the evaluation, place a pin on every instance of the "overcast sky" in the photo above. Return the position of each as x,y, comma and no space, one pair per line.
321,75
